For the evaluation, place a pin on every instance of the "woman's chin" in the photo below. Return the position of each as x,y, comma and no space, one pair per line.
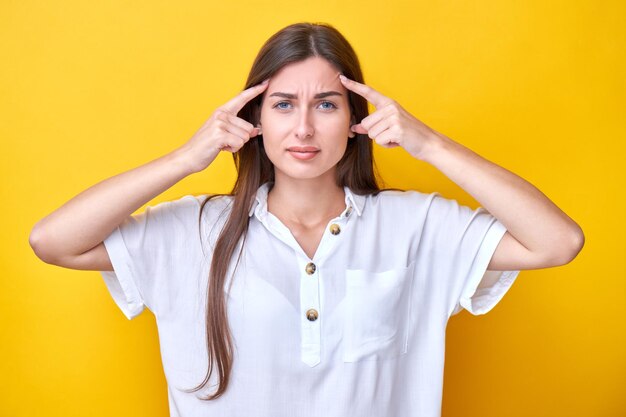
303,173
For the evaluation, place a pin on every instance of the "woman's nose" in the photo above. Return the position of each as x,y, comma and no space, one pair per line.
305,126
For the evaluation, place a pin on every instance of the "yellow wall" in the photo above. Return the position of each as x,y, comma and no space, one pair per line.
92,89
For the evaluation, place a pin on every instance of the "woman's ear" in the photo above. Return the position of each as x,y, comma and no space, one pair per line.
352,123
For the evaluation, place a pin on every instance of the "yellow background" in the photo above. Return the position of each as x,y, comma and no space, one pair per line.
89,90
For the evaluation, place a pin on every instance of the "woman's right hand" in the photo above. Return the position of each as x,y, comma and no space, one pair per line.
223,131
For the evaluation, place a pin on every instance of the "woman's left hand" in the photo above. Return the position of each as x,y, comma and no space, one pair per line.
390,125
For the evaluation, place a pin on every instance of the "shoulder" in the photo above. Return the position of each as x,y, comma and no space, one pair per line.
411,205
206,213
401,199
191,202
211,206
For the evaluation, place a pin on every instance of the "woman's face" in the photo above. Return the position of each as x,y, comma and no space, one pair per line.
305,108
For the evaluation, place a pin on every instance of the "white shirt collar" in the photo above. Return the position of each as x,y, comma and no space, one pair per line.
353,200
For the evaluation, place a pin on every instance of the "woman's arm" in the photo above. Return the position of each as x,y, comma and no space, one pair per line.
539,234
87,219
71,236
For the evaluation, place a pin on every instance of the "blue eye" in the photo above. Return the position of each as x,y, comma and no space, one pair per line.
327,105
332,104
277,105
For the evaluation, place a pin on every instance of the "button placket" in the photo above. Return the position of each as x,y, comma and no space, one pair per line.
310,314
310,283
330,237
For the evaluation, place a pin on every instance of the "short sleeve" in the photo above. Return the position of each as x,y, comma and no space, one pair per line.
153,252
460,242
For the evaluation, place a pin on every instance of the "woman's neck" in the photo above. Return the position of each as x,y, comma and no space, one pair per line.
307,203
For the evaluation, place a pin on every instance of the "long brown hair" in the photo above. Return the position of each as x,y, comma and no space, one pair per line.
356,170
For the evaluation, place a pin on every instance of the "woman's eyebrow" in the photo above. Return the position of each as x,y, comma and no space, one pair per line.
319,95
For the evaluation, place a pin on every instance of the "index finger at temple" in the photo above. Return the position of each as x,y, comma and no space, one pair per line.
371,95
235,104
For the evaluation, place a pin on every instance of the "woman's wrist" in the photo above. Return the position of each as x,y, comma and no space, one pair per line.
434,146
181,160
185,160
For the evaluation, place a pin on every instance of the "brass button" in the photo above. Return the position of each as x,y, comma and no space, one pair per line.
310,268
334,229
311,315
348,211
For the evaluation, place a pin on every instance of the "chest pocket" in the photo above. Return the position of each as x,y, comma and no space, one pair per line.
377,312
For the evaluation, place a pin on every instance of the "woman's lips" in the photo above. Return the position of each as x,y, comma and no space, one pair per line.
303,153
303,148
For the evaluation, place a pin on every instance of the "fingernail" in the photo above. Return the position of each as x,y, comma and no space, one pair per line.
266,81
343,78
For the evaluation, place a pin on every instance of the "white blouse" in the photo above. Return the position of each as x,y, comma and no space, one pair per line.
359,330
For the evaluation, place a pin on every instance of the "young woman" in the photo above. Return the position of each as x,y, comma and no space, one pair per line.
307,291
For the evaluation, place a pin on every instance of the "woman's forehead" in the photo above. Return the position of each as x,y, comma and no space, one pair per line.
311,75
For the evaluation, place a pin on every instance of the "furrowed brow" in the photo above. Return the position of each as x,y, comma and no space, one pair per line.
294,97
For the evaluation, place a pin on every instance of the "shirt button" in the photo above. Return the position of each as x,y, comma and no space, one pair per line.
311,314
334,229
348,211
310,268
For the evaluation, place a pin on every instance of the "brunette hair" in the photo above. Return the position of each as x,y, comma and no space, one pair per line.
356,170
